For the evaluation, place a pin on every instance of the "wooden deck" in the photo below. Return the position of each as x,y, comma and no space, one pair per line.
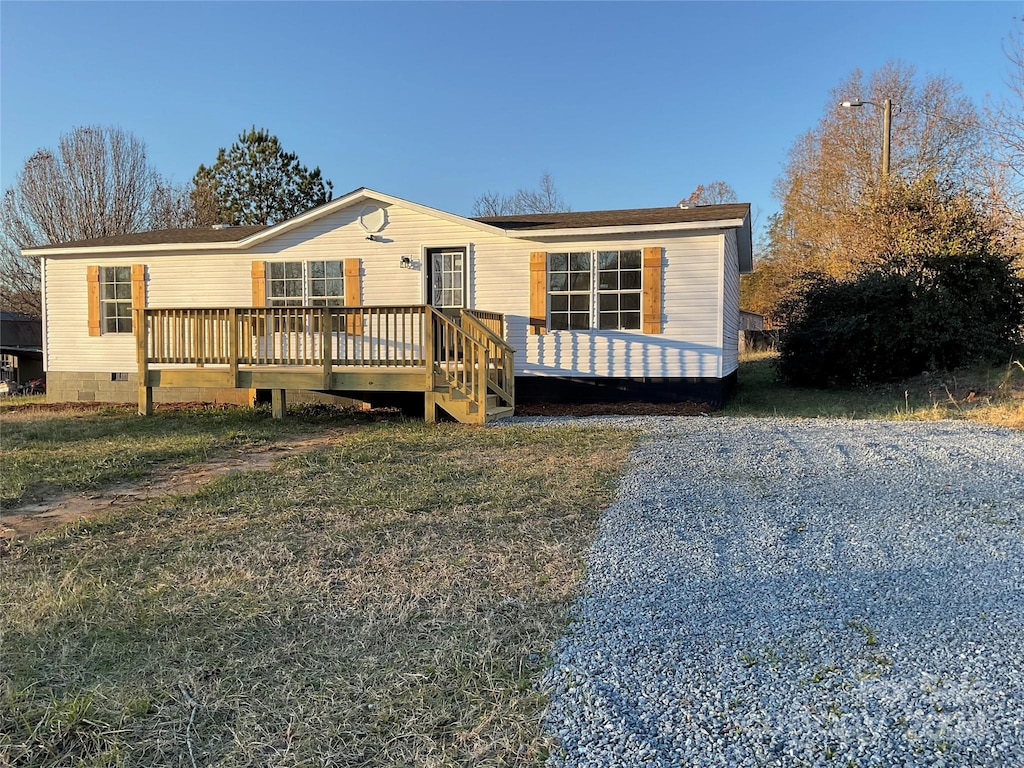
463,365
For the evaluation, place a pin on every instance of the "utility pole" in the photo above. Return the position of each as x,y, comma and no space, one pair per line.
886,108
887,136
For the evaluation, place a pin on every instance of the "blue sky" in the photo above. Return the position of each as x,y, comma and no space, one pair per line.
625,104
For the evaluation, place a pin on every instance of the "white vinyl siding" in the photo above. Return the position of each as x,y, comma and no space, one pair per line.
730,306
687,347
497,278
69,347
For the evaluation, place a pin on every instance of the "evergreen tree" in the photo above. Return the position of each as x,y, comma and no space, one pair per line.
255,181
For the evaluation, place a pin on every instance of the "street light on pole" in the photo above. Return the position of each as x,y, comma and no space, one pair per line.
886,108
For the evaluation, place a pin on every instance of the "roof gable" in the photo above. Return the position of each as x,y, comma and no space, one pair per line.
243,237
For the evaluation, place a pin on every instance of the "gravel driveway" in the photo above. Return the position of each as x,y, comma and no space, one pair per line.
802,593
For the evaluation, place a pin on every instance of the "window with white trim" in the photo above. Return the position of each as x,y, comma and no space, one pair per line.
116,299
305,283
569,290
594,289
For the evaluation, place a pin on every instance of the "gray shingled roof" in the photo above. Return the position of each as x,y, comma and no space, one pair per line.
168,236
525,222
618,218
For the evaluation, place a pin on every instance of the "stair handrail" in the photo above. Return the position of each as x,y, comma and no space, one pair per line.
464,379
502,383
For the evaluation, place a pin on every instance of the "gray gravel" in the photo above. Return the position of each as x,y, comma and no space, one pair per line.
801,593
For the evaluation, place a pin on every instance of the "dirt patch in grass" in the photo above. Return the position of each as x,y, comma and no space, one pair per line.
54,507
94,448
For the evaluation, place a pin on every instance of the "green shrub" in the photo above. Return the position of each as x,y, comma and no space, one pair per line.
891,322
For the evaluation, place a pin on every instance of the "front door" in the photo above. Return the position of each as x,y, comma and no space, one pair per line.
446,280
446,292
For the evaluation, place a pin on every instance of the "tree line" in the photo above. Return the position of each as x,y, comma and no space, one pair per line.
99,182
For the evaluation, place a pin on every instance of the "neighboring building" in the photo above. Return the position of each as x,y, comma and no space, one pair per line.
21,350
756,334
751,321
597,305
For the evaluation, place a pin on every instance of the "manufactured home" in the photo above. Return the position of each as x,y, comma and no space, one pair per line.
371,295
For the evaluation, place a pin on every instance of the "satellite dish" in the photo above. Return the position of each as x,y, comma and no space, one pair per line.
373,218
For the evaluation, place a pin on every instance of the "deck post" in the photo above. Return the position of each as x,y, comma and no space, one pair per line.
145,392
233,338
429,407
199,330
278,403
428,345
327,343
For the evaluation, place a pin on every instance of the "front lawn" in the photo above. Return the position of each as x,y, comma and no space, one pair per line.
387,599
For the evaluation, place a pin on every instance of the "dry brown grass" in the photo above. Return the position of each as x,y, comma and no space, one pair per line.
389,600
990,395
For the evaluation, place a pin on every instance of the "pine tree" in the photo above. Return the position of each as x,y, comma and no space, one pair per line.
256,182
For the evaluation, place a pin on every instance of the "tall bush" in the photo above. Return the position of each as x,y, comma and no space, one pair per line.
886,325
849,332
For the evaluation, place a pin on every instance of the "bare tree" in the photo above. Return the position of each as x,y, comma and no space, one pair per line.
712,193
495,204
544,199
834,174
1005,122
171,206
97,183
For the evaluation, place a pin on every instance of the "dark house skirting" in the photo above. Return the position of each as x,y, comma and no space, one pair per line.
555,389
552,389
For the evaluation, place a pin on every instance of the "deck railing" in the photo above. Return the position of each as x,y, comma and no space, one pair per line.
468,353
307,336
493,321
500,356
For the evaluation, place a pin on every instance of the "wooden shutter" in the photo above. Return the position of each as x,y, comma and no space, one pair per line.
92,277
353,295
353,286
138,286
259,283
539,292
651,304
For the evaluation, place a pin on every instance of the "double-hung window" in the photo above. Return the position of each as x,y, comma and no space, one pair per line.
594,289
305,283
116,299
569,286
618,289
